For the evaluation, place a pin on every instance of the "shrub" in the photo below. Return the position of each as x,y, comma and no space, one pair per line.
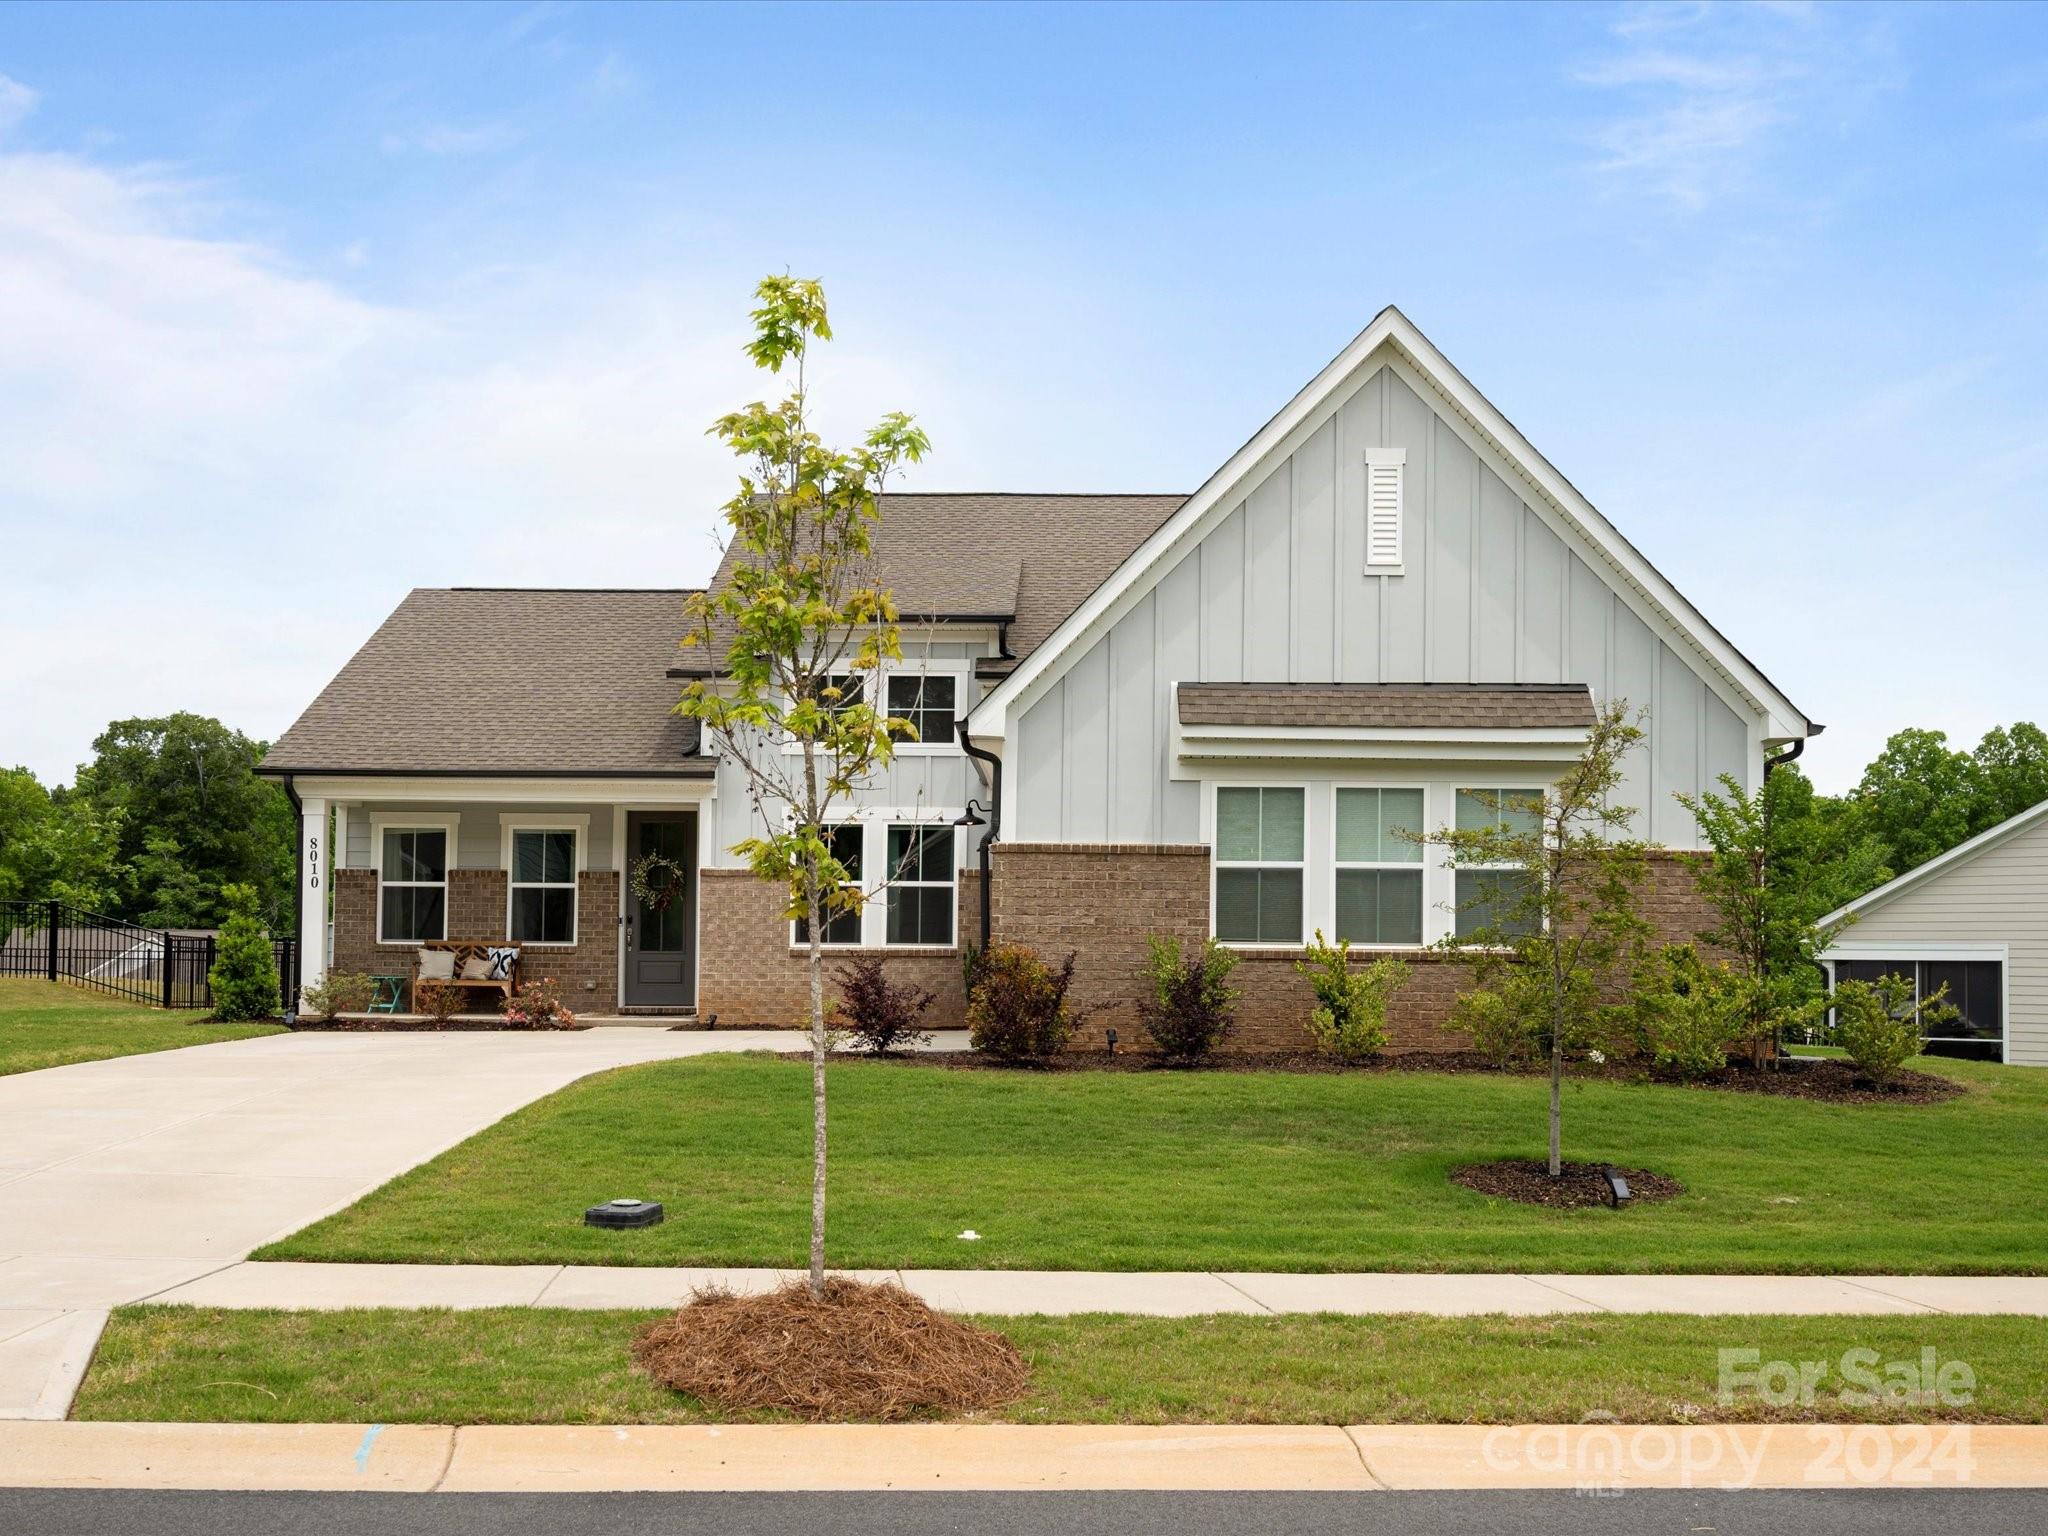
1019,1008
438,1000
536,1005
1350,1018
1509,1022
1188,1012
339,992
1689,1013
244,974
1879,1025
876,1012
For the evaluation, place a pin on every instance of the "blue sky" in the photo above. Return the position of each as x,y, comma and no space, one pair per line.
304,306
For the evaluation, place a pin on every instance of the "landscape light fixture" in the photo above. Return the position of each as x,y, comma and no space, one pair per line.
1617,1186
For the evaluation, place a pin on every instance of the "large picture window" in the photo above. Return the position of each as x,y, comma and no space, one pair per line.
1261,840
1487,895
841,928
412,885
543,885
921,897
1379,865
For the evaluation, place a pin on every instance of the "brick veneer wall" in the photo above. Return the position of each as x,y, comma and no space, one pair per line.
1103,901
749,974
587,971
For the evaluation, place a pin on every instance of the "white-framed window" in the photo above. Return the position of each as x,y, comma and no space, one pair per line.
414,855
1261,843
931,695
922,897
1378,864
1386,475
842,929
1485,895
543,857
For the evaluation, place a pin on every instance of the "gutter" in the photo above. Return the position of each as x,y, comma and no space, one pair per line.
1793,753
994,830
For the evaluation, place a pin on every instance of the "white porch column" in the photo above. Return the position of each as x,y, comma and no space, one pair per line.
315,867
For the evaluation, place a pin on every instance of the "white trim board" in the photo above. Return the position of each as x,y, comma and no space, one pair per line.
1639,583
1962,853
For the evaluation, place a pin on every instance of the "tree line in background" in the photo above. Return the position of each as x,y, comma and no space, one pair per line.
166,816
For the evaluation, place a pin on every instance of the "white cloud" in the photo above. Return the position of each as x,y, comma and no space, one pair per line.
453,139
16,102
1711,90
221,472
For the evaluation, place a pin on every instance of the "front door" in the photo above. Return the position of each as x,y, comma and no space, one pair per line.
661,944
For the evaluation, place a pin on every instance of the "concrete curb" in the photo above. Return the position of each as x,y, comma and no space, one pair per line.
996,1457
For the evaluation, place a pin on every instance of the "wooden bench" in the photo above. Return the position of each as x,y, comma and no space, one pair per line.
464,951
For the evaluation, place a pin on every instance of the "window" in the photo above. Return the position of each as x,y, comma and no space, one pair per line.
921,900
1260,842
841,927
1379,869
1976,990
1487,895
1385,471
851,688
928,700
412,885
543,885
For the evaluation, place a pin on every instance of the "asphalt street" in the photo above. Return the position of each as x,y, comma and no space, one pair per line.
97,1512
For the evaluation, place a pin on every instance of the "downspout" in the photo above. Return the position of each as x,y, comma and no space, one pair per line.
1791,754
994,829
291,1003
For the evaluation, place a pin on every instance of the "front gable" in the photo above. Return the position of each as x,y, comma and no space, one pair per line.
1266,576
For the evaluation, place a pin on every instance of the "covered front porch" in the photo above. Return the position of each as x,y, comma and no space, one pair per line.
391,867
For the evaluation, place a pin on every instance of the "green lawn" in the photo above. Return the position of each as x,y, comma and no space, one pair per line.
52,1024
1217,1171
552,1366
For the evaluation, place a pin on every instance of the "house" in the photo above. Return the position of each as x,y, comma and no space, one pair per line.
1975,920
1175,714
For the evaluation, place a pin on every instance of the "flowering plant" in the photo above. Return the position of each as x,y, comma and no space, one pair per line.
538,1005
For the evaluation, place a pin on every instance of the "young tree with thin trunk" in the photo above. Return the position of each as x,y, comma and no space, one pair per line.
1561,917
799,631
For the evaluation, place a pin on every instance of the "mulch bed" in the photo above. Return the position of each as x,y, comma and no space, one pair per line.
426,1027
863,1352
1799,1077
1578,1184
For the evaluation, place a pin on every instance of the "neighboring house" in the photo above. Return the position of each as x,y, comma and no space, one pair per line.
1974,920
1212,713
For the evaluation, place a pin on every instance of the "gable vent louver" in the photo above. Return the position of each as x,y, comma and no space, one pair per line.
1385,472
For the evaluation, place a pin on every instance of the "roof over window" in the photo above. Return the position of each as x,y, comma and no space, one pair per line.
1390,706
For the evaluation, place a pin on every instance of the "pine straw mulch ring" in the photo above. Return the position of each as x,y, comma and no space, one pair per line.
864,1352
1578,1184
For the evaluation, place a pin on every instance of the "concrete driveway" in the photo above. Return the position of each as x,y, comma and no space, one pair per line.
121,1179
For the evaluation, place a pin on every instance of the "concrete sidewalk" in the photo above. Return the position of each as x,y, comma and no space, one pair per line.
323,1287
1605,1458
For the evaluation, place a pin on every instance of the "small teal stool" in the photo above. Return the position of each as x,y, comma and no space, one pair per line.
390,990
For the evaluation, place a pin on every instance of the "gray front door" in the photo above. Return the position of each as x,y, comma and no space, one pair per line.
661,946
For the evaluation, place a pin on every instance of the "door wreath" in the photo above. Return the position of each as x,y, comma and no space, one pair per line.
658,881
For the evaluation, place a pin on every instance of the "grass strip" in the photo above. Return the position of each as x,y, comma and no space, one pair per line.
557,1366
53,1024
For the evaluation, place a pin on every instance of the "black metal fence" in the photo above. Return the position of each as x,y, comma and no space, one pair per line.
147,965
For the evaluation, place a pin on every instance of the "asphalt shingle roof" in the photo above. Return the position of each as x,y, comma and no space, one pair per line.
509,681
1029,559
1393,706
